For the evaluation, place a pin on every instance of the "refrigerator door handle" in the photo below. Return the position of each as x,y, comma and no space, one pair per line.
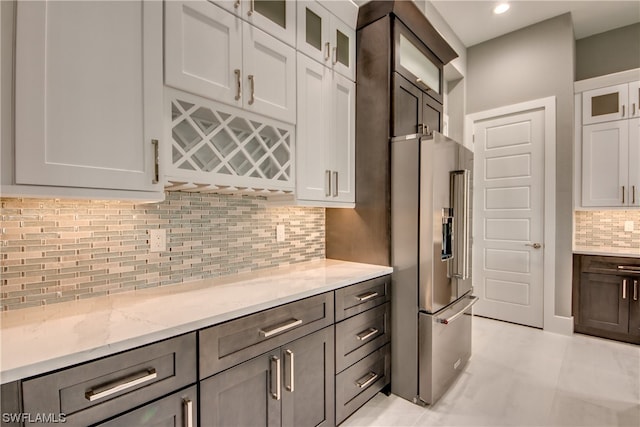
460,184
446,321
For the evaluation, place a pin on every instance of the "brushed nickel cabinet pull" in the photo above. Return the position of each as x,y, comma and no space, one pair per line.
252,81
624,288
335,55
289,354
633,194
367,296
327,183
365,335
623,194
635,290
335,184
121,384
633,109
156,161
280,328
623,110
188,412
238,84
367,379
327,51
420,81
237,4
252,7
275,361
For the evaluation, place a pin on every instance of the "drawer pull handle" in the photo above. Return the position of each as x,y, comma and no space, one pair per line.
121,384
367,296
292,369
275,360
266,333
624,288
367,379
629,267
188,412
365,335
635,290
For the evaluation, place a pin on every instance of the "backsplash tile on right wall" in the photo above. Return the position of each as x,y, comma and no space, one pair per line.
606,229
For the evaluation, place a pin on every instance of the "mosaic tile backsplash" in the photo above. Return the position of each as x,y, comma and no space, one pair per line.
606,228
56,250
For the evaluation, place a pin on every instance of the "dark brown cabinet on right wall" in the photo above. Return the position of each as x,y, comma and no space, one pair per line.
606,297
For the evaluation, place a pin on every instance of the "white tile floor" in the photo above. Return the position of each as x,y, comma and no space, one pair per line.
520,376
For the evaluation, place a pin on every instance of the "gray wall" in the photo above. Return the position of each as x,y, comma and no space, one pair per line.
532,63
609,52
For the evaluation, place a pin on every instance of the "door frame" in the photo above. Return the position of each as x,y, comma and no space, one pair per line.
551,322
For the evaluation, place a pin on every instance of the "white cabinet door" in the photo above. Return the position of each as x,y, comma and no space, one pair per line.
314,26
634,161
605,104
343,137
605,164
314,104
88,94
634,99
343,48
269,75
276,17
203,50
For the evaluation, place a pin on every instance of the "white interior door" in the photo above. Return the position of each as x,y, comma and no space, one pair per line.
509,217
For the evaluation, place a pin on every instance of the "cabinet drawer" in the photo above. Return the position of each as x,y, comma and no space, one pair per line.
360,335
359,383
231,343
177,410
360,297
97,390
610,265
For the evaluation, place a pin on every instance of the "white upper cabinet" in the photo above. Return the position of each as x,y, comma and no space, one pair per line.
325,38
276,17
610,103
325,136
610,163
203,48
212,53
88,94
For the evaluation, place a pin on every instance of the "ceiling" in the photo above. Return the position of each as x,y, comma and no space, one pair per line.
474,21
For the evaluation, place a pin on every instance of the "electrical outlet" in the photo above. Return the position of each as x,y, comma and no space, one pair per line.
280,237
157,240
628,226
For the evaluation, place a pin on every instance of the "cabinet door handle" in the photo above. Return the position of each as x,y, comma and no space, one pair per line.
327,51
121,384
635,290
624,288
365,335
252,81
238,84
633,194
367,379
289,355
188,412
421,82
335,55
266,333
156,161
236,4
367,296
623,110
335,184
623,194
327,183
252,7
633,109
275,369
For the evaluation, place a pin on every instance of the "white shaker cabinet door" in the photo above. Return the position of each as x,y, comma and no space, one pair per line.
343,137
634,99
343,48
203,50
313,127
269,75
605,164
88,93
314,26
634,161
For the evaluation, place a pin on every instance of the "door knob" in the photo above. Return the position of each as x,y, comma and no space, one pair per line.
534,245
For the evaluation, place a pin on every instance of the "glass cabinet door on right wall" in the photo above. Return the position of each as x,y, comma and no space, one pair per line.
610,103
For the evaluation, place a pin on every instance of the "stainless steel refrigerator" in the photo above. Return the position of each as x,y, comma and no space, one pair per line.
431,182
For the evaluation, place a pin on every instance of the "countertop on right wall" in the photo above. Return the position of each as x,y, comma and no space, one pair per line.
612,232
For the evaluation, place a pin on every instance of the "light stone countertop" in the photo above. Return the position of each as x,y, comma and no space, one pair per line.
607,251
41,339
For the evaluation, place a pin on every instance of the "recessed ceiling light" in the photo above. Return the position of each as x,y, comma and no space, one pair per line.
501,8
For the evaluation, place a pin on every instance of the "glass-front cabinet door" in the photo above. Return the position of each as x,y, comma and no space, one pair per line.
276,17
634,99
343,48
313,31
417,63
605,104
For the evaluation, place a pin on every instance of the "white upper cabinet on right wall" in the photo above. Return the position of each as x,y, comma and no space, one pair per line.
610,103
276,17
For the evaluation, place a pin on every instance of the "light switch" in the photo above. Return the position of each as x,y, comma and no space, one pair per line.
628,226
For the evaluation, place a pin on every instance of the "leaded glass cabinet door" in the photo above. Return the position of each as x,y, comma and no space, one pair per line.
605,104
218,146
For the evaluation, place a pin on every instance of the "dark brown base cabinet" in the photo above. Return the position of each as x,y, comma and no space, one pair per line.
292,385
606,297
